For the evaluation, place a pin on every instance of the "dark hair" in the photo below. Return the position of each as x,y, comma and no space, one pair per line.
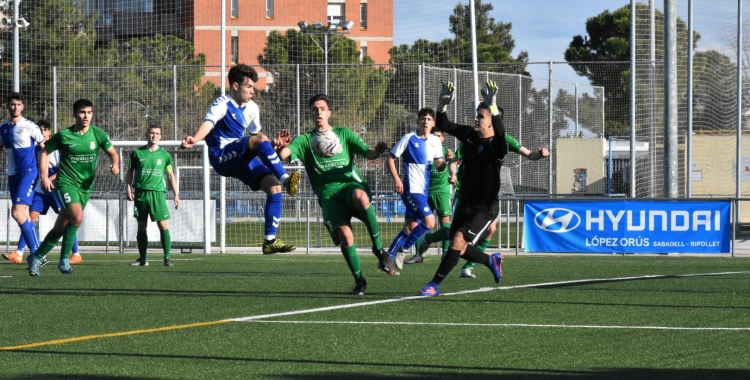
44,124
317,97
153,126
82,103
15,96
426,111
483,106
240,71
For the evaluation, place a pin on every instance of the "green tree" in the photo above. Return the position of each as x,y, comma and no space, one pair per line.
608,41
494,45
356,88
59,36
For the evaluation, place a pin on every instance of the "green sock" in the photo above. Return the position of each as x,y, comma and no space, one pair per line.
142,239
371,222
483,244
46,247
69,237
468,265
352,259
166,242
446,242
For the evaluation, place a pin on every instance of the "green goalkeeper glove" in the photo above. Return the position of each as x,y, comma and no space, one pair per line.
488,95
447,93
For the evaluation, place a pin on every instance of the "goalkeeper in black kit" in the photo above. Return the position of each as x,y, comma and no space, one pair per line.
484,149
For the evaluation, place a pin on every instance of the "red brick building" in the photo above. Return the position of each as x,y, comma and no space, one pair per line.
248,22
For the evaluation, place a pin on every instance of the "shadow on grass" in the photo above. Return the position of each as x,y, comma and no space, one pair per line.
522,374
439,373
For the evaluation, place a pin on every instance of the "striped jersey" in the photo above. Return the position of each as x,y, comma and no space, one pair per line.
20,141
231,121
417,154
54,166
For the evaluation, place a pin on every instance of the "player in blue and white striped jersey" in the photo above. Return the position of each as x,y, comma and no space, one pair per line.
44,200
418,150
19,137
251,159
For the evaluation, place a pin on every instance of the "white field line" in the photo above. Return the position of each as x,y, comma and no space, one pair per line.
480,290
462,324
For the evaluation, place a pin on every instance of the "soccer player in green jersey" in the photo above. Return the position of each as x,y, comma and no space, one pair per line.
149,163
79,151
341,189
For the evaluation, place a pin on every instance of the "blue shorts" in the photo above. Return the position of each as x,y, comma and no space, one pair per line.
237,161
416,206
43,201
21,187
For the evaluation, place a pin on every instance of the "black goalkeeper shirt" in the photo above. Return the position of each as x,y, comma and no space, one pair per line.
481,159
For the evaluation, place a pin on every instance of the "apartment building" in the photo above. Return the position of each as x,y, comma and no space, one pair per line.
247,24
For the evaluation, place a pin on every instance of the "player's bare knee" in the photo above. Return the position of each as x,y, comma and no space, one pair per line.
270,185
361,200
345,235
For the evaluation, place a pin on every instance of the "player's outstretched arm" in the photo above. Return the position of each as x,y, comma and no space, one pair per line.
540,153
374,153
200,134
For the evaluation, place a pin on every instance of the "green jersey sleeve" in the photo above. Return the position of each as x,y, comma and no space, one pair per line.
102,139
513,144
133,162
299,146
354,142
53,143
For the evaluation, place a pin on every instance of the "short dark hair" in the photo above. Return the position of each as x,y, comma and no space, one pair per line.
317,97
483,106
82,103
153,126
15,96
426,111
44,124
240,71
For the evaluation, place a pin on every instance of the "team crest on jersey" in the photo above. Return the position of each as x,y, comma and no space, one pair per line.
92,145
158,162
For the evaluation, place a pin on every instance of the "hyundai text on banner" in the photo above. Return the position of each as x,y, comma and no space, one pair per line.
627,226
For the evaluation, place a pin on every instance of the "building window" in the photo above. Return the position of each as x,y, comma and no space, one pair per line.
235,49
362,52
363,15
336,13
269,8
235,12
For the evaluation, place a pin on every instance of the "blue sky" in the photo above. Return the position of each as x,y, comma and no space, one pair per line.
544,28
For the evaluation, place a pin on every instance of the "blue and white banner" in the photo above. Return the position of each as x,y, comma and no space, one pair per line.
627,226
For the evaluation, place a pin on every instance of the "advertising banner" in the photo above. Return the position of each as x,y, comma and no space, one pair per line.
627,226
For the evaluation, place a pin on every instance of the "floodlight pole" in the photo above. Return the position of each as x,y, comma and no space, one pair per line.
16,54
304,30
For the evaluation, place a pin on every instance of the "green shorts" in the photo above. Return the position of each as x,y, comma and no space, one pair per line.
67,195
153,203
440,204
339,209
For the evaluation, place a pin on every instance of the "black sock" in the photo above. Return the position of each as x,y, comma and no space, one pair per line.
449,261
474,254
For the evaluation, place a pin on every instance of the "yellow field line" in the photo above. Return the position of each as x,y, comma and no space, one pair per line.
111,335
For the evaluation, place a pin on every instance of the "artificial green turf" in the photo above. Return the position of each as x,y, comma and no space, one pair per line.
105,295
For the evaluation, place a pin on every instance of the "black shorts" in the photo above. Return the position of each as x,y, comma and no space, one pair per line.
473,220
